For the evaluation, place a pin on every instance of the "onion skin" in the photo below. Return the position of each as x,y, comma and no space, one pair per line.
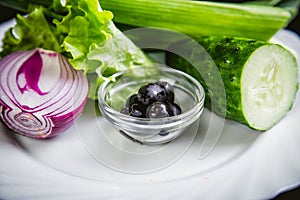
41,94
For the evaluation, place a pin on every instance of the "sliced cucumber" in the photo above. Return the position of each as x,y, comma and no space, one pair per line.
268,86
260,79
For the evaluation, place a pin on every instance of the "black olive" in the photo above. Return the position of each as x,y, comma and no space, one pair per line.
154,100
131,100
173,109
151,93
157,110
169,90
136,110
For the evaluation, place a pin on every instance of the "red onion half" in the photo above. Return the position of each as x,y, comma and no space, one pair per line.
40,93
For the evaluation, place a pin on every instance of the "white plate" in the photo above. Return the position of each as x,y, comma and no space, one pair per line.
92,161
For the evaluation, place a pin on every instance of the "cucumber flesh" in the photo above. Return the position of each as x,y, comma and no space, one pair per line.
269,86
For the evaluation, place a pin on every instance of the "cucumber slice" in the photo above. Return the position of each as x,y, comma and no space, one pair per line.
269,84
260,79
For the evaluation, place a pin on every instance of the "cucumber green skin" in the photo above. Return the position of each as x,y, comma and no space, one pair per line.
229,56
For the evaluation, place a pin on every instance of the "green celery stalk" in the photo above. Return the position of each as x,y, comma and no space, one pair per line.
265,2
198,18
290,5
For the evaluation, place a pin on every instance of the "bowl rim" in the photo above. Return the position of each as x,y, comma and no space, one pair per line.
105,108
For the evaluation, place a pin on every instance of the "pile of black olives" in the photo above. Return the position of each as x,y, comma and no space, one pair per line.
154,100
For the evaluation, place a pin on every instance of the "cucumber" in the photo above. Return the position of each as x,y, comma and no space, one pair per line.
260,79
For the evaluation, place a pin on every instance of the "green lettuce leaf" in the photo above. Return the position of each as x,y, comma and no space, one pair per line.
31,31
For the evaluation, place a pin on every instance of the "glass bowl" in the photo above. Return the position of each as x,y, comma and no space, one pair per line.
113,93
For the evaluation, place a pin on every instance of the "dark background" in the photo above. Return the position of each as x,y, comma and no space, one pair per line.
6,13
